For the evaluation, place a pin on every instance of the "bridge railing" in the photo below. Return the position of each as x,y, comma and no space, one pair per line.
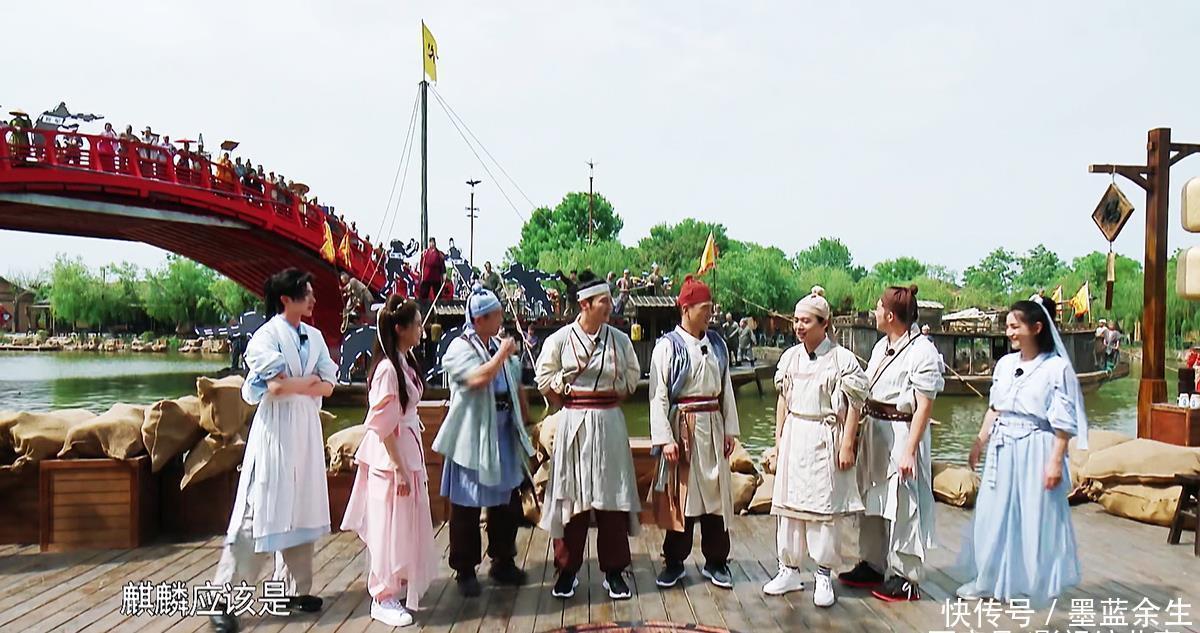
274,207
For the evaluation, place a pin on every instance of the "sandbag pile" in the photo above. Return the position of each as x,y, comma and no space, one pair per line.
27,438
341,447
169,428
116,433
1098,441
1135,479
954,484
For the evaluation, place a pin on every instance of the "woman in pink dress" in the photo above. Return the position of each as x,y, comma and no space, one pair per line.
389,505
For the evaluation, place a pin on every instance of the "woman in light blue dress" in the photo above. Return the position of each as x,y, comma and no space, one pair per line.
1021,543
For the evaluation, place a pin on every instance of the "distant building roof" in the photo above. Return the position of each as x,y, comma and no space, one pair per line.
636,301
930,305
451,308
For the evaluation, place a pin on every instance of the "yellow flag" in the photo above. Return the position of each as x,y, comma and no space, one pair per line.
1082,302
345,249
1057,296
327,247
708,260
429,51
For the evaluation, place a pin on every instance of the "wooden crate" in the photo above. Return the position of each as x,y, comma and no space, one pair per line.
20,518
432,413
201,509
644,466
97,504
1174,425
340,485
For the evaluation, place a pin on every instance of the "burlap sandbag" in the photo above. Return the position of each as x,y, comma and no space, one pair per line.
7,420
740,462
547,429
770,459
761,502
341,447
170,428
1148,504
954,484
38,436
1098,440
743,486
1141,461
223,413
116,433
211,457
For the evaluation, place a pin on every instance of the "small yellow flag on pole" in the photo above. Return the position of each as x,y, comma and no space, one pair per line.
429,51
327,248
1082,301
1057,296
708,260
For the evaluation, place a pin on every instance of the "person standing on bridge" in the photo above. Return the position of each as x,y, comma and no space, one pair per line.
485,444
389,505
821,389
894,470
589,367
1021,542
433,271
694,423
282,505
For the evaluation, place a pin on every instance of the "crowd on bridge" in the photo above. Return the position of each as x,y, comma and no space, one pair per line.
156,156
850,443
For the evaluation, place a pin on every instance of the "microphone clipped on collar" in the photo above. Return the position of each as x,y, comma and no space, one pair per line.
890,352
1020,372
704,350
812,356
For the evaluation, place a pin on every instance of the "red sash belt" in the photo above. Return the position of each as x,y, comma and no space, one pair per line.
700,404
592,400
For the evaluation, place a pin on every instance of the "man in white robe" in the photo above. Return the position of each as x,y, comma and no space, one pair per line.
694,423
894,467
282,504
590,367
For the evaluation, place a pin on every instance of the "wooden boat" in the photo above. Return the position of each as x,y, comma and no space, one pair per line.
971,344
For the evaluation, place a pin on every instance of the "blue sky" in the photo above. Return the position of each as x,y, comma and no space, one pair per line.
934,129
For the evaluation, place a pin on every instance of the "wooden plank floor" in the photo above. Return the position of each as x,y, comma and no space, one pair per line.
1123,560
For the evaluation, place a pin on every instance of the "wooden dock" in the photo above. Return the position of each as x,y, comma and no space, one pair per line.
82,591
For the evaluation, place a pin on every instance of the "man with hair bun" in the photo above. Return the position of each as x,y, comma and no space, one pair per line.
896,530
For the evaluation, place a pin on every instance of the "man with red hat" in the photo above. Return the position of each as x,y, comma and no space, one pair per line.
693,426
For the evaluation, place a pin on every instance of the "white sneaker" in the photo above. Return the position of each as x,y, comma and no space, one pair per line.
787,580
969,592
391,613
823,595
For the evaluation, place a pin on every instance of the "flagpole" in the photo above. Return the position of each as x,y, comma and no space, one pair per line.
424,162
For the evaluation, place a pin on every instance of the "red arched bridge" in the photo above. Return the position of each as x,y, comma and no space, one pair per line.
180,201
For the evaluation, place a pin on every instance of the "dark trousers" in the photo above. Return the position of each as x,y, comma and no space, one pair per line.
466,543
714,540
612,542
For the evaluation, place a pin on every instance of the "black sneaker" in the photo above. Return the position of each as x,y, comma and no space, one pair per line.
223,622
671,574
468,585
565,586
507,573
898,589
718,575
307,604
614,582
862,576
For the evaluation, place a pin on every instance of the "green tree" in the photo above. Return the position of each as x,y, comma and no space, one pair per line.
75,293
1040,269
994,273
565,226
756,275
677,247
231,298
179,293
829,252
601,258
899,270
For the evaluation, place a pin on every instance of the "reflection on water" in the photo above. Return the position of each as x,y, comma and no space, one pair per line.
92,381
63,380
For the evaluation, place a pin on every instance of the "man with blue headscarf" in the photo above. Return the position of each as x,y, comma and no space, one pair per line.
484,442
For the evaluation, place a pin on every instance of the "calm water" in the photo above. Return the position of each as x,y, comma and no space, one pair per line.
92,381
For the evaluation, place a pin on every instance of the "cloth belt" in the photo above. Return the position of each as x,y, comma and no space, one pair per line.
1009,428
700,404
592,400
882,411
